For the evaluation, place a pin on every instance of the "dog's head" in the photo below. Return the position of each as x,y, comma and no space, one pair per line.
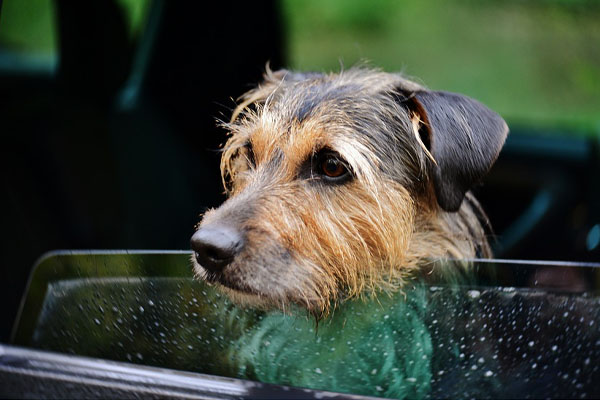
326,175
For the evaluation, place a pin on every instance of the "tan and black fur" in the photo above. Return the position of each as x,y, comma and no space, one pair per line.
291,234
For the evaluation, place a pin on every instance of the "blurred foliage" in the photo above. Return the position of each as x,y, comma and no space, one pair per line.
29,26
535,62
136,12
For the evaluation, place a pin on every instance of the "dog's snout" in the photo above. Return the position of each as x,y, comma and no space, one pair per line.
216,246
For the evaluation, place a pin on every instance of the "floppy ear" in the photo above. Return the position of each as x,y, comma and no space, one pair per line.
463,136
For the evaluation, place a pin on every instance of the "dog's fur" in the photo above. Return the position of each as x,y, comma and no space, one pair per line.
411,156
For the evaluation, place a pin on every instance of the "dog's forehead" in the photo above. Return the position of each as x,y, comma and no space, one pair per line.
298,140
305,116
321,96
356,114
331,94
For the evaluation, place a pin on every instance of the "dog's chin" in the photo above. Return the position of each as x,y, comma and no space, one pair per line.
251,299
242,294
245,296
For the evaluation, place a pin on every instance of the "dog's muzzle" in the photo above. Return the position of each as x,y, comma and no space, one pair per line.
215,246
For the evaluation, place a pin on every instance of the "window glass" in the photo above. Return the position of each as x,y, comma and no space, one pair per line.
439,337
535,62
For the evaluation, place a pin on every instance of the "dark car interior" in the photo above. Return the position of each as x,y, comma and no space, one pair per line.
118,148
115,145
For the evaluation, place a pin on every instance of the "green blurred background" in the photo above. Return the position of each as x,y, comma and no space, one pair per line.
535,62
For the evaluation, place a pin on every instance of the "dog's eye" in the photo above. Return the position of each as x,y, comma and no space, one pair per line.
332,167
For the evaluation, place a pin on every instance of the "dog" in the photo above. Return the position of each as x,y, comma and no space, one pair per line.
344,184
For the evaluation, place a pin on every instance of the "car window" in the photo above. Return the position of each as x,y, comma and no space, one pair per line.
536,63
474,336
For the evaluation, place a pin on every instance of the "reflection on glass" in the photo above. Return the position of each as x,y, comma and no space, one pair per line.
435,339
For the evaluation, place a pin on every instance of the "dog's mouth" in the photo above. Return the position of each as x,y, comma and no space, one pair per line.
251,288
218,278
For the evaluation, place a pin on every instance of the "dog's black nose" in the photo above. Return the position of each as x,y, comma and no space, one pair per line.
216,246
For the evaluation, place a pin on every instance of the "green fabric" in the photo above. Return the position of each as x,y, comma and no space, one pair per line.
378,346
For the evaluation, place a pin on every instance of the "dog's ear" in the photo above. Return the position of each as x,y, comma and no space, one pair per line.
463,136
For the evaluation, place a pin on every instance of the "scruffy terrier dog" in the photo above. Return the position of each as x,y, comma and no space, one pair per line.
344,184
